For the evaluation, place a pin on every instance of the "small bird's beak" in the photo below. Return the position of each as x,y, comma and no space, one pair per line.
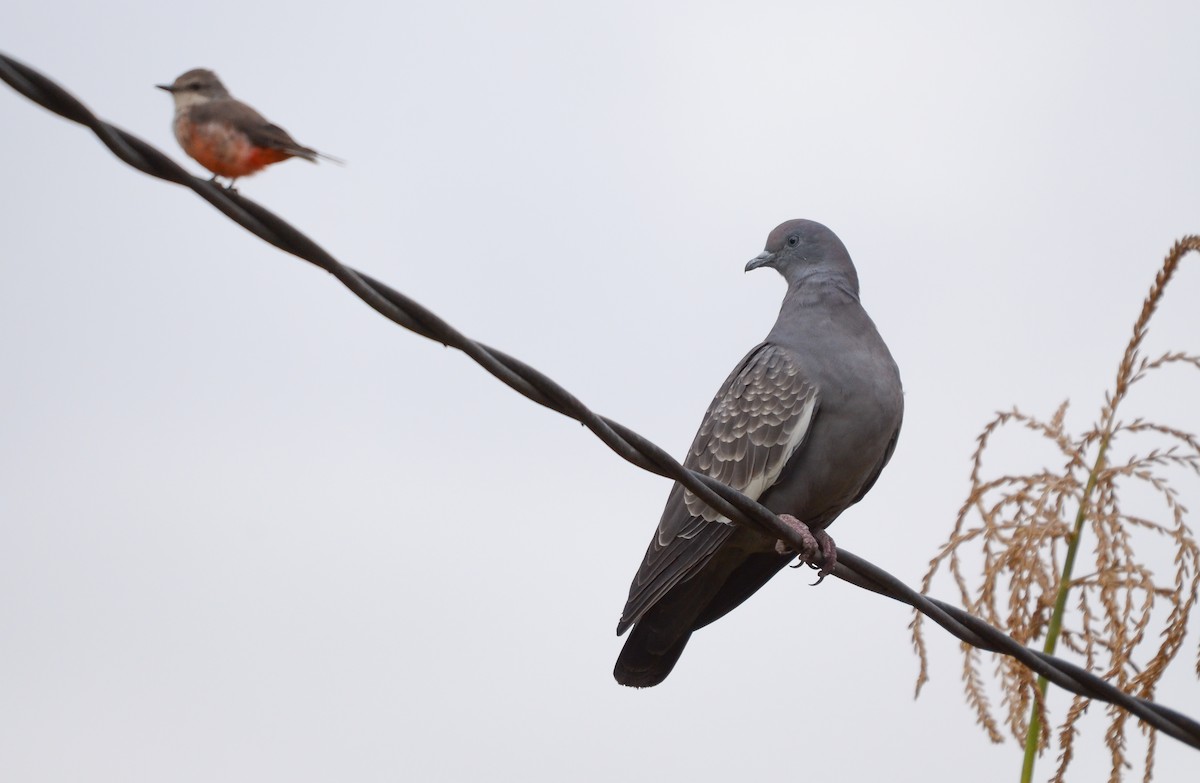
762,259
166,87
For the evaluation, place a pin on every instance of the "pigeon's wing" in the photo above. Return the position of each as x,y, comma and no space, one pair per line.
758,419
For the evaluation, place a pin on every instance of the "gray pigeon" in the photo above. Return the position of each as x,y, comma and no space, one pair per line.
804,424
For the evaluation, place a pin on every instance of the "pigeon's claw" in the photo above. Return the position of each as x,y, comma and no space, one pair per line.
818,550
810,546
828,555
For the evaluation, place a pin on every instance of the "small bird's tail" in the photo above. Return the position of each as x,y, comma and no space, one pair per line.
329,158
311,155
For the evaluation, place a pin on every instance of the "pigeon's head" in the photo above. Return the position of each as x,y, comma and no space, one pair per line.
805,251
198,85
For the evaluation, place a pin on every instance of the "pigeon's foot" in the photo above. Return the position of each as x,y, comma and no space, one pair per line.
828,556
818,550
811,546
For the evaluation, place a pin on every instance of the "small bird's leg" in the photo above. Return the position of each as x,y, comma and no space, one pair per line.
818,547
216,180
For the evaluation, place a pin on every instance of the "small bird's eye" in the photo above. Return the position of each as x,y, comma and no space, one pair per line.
792,240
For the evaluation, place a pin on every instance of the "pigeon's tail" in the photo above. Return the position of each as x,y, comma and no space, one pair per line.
661,632
642,664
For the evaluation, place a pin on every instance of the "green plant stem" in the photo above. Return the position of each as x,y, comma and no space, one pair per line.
1060,608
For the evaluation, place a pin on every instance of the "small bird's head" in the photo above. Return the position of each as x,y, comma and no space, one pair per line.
198,85
804,250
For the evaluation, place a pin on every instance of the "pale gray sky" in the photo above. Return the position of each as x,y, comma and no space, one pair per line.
251,531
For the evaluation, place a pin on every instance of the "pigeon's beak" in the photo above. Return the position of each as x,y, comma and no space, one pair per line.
166,87
762,259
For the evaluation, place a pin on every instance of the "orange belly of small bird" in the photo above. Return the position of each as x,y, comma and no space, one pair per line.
225,151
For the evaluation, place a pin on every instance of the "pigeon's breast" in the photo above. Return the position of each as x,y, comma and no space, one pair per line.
860,406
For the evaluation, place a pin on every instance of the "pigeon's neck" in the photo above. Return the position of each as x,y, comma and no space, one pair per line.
832,286
810,310
810,305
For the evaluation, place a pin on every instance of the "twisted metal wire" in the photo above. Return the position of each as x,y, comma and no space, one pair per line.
537,387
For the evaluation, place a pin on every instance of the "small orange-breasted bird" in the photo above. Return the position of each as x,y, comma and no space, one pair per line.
224,135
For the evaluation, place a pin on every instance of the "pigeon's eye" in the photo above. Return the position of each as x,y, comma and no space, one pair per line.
793,240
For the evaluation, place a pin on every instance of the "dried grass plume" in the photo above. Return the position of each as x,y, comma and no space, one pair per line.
1127,620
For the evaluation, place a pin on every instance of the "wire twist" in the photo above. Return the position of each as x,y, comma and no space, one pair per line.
539,388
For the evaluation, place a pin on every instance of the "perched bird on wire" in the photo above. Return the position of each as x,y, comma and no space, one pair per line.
224,135
804,424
